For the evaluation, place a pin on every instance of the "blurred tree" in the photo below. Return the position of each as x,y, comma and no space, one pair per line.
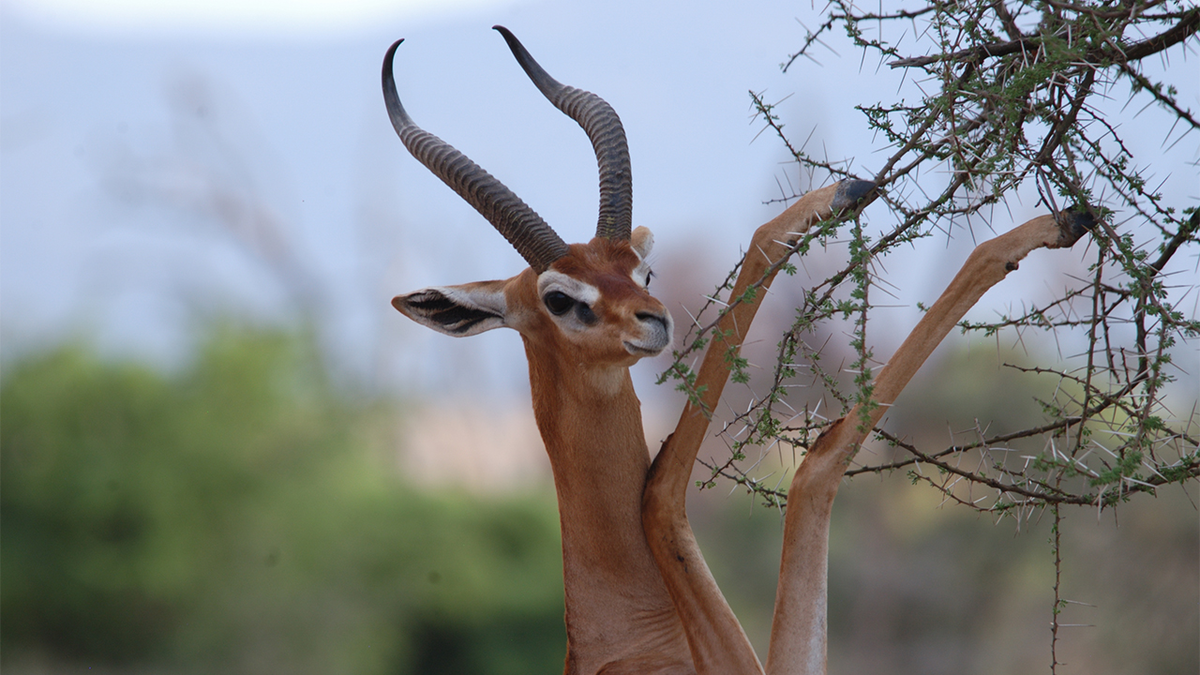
243,515
919,589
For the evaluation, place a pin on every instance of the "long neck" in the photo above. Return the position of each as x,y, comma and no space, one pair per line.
617,607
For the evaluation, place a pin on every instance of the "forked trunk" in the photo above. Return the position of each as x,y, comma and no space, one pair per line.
798,634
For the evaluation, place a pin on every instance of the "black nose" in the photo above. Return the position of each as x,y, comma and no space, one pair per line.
651,316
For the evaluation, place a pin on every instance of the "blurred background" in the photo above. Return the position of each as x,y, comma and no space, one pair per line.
223,451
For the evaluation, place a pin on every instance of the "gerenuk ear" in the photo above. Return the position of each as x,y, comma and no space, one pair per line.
642,241
457,311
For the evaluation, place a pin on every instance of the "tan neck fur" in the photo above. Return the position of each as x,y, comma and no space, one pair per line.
617,607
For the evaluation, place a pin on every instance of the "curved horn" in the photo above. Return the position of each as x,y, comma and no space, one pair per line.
604,129
521,226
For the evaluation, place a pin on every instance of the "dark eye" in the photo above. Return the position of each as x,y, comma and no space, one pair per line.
648,276
558,303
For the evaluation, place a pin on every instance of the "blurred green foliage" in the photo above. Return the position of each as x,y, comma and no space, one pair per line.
246,515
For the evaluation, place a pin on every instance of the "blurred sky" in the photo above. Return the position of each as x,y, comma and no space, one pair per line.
165,162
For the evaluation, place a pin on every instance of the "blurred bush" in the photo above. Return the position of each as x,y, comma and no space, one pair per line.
247,515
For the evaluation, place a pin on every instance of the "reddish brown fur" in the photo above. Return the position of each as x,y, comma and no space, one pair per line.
619,616
639,596
798,631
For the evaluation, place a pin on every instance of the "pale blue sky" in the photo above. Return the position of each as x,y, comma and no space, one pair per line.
303,19
120,131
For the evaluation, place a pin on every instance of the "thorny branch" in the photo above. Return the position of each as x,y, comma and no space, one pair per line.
1019,105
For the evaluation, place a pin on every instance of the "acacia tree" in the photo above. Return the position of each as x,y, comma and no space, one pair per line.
1010,103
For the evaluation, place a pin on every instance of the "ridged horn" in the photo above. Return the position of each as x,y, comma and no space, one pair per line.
603,128
521,226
